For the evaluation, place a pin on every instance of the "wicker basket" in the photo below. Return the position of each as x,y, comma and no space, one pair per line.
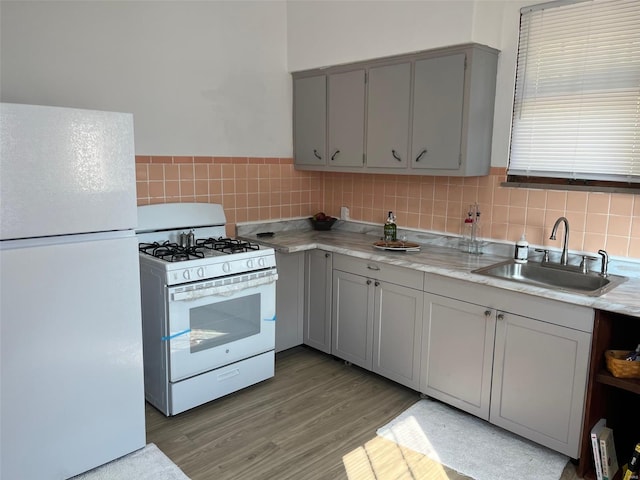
619,367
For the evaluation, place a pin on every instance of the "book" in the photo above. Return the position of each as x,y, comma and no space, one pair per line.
595,444
608,454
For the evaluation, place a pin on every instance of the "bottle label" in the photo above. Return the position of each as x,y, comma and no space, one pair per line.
521,252
389,232
388,235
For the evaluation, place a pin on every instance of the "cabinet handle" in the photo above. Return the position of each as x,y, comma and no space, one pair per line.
333,157
395,155
315,152
326,255
487,313
368,282
373,267
421,154
377,284
500,316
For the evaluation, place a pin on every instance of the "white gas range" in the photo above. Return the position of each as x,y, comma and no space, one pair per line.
208,306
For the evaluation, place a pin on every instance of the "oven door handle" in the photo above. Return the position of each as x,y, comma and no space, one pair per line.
222,290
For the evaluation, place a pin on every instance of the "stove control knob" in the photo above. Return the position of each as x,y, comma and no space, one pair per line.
250,263
226,267
200,272
186,274
261,262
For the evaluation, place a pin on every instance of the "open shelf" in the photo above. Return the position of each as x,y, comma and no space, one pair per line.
629,384
610,397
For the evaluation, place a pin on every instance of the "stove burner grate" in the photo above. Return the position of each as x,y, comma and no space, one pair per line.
227,245
171,252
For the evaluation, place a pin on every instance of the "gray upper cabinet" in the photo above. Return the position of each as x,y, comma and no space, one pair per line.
427,113
346,119
437,112
310,120
389,98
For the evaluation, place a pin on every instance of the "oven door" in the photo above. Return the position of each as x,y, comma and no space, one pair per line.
211,325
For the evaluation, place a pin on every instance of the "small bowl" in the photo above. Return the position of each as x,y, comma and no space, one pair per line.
324,225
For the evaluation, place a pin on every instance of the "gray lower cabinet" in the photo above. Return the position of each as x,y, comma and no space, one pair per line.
377,317
458,353
539,381
517,361
310,120
397,333
524,371
352,318
317,306
289,300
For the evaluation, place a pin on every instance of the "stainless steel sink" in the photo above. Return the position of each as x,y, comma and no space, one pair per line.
552,276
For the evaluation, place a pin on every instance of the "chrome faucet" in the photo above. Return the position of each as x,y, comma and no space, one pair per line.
604,264
565,242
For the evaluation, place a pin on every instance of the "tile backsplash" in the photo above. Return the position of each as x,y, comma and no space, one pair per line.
254,188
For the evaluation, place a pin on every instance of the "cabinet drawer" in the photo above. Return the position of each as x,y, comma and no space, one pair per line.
379,271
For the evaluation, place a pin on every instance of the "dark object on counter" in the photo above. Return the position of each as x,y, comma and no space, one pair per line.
264,234
390,228
634,464
323,224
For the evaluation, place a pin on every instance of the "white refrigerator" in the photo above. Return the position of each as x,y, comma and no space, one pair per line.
71,383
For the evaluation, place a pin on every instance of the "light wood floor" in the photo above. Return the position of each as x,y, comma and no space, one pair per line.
316,419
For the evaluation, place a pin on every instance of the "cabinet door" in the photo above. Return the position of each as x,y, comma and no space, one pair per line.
438,101
389,93
346,119
351,318
457,353
397,333
310,120
539,381
289,300
317,310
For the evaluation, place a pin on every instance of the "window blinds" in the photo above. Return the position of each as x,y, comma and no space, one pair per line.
576,110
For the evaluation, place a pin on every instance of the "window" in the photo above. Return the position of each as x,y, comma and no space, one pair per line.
576,113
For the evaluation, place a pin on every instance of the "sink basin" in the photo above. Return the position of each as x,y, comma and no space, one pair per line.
552,276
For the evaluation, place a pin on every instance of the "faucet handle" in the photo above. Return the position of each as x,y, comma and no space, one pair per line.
545,252
605,263
584,266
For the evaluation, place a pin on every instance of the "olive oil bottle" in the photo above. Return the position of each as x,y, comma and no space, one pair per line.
390,228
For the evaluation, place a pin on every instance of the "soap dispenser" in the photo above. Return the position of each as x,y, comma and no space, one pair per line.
522,250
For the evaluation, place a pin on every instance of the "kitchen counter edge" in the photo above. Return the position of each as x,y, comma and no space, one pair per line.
444,261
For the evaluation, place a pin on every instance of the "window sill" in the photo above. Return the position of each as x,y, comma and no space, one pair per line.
634,190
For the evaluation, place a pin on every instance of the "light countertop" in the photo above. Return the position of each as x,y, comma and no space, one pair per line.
438,255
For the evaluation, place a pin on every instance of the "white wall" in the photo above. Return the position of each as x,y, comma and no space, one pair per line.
201,78
211,77
322,33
